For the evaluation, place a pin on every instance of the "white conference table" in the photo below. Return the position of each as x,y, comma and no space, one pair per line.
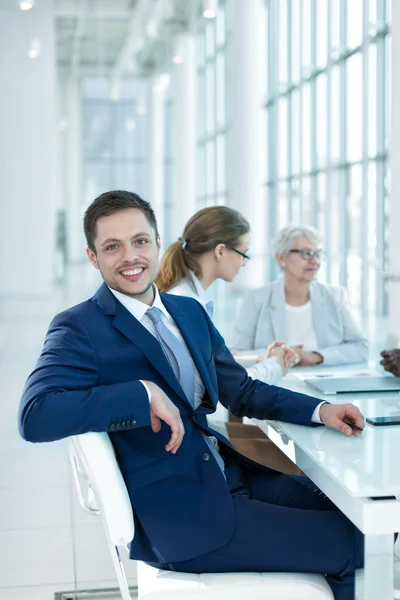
357,474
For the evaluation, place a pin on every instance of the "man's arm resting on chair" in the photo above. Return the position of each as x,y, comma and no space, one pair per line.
62,396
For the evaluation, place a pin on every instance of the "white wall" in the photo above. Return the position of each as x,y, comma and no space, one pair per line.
28,166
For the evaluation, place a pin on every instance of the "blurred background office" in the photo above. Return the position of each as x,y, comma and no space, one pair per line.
286,110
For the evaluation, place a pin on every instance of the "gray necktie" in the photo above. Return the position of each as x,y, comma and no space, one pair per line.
182,366
210,308
176,353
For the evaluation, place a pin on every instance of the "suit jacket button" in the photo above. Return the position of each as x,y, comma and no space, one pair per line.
118,425
206,457
112,427
124,424
133,422
193,417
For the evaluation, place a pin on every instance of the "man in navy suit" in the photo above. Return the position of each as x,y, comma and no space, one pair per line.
148,368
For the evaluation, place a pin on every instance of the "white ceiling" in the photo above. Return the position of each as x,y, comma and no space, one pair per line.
117,38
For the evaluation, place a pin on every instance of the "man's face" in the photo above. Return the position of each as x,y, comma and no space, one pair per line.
127,253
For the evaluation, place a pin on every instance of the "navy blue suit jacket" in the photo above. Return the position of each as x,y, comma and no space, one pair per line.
87,379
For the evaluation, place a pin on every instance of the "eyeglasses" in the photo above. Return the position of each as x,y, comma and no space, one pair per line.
308,254
246,257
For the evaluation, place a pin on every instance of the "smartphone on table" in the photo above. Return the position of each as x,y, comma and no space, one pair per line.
381,421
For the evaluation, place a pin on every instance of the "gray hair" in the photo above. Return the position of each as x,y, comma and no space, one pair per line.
283,241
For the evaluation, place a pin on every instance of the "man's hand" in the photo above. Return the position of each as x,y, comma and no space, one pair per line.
162,409
344,417
307,359
391,361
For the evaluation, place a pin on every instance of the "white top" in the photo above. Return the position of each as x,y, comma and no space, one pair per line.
300,326
185,288
269,371
138,309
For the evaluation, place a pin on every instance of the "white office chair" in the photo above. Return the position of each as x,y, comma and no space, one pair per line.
93,459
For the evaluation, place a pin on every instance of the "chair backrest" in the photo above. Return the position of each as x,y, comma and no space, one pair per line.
93,459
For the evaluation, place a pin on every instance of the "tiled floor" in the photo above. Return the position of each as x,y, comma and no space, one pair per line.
48,543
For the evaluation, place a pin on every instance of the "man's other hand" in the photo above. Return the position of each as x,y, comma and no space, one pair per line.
344,417
391,361
162,409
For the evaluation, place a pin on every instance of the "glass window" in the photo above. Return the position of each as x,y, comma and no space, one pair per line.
322,119
220,26
306,130
372,14
220,67
335,26
323,155
296,39
388,86
210,168
283,41
321,203
354,133
354,249
372,104
201,104
354,23
282,140
295,137
114,137
210,98
322,37
221,178
283,205
296,200
201,171
336,117
306,216
210,38
334,251
306,37
211,123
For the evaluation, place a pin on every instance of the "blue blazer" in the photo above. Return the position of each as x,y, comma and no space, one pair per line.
261,320
87,379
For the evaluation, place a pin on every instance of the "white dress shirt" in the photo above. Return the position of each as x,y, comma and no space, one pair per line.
138,309
268,370
300,327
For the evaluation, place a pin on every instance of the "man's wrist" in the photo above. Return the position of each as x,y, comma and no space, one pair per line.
321,410
147,388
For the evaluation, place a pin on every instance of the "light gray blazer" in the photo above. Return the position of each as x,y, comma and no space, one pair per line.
261,320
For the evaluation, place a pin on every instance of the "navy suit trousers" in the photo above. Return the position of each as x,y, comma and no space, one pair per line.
284,523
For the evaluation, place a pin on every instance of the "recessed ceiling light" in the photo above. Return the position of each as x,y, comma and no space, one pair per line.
26,5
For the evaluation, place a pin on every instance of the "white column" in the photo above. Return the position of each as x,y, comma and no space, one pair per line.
28,166
74,200
183,86
156,171
245,131
394,200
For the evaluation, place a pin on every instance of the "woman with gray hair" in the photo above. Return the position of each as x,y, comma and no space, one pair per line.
298,310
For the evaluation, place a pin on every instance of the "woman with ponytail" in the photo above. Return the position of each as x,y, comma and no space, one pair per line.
214,245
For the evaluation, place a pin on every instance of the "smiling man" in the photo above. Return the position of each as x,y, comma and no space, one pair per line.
148,368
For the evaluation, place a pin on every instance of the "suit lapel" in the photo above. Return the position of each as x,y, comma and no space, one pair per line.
189,335
278,312
136,333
